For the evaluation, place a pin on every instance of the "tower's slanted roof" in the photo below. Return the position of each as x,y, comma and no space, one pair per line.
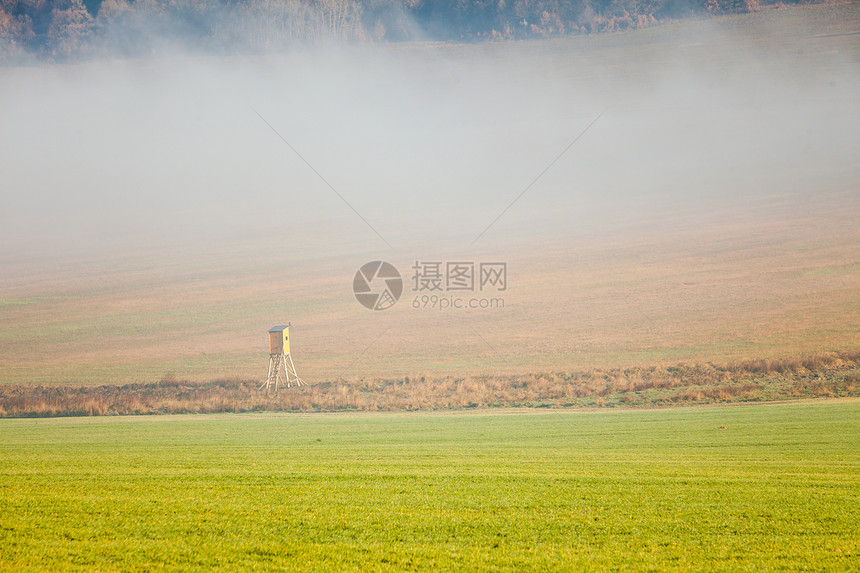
279,328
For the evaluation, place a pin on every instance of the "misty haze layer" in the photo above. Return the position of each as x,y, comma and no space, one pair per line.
428,144
685,192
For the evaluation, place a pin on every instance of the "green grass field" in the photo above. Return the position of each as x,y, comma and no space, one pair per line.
751,488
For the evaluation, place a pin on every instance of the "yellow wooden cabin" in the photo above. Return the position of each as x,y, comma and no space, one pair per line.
279,339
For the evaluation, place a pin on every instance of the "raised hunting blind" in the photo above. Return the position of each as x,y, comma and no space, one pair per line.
279,340
280,360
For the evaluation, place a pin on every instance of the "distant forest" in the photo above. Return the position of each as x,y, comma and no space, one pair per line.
63,29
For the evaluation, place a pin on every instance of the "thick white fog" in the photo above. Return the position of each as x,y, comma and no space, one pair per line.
428,143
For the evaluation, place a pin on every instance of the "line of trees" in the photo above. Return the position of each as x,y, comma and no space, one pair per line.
74,28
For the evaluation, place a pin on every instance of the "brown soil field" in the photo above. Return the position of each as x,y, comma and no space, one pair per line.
696,288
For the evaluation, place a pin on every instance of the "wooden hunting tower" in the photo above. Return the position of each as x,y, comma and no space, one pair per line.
279,357
279,340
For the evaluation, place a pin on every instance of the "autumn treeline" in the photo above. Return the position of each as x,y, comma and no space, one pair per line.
58,29
824,375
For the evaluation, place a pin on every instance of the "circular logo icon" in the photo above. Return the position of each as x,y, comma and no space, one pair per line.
377,285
